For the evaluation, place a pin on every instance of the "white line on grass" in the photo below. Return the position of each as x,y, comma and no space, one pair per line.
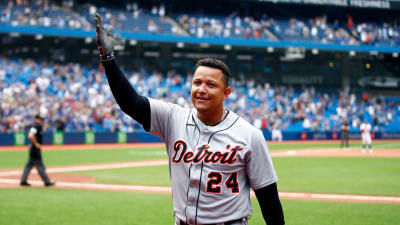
284,195
303,152
340,197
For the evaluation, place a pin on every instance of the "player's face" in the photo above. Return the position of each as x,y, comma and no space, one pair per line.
208,90
39,121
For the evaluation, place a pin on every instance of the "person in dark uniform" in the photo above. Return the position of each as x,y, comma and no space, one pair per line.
35,155
345,134
60,124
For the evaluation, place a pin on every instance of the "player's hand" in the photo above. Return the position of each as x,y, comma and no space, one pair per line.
105,41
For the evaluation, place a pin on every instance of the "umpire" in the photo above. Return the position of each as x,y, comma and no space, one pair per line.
345,134
35,155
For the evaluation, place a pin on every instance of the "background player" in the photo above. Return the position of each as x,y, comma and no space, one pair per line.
35,155
345,133
276,133
366,139
214,155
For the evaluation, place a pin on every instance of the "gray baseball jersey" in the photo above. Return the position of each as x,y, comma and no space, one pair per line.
211,167
366,133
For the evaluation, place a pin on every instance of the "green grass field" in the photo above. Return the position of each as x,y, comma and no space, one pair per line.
314,145
17,159
372,176
64,207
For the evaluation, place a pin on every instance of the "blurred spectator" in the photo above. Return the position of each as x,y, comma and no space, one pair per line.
28,88
134,19
60,124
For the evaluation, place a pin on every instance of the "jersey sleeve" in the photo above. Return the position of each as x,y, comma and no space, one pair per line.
259,167
362,127
161,113
33,130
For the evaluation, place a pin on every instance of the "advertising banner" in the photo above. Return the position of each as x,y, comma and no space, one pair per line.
90,137
19,138
58,138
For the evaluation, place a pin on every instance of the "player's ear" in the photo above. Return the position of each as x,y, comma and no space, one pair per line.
227,92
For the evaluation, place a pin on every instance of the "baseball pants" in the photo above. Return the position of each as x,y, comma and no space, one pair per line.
366,139
242,221
35,159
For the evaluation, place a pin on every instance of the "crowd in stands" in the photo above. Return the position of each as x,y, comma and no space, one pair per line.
73,97
68,15
386,33
43,14
134,19
232,26
317,30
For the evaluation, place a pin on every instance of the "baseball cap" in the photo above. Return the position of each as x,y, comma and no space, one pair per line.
39,117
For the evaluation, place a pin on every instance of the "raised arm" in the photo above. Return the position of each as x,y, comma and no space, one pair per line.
130,102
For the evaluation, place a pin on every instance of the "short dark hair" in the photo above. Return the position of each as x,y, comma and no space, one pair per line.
39,117
217,64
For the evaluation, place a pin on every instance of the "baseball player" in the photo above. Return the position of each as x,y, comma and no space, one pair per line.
276,133
345,134
35,155
366,139
215,157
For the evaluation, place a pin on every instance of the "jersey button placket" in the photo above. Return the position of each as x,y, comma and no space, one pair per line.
193,193
194,186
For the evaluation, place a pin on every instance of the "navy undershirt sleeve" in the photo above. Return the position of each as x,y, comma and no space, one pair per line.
270,205
130,102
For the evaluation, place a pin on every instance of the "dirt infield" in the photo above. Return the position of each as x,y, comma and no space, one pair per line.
10,178
86,183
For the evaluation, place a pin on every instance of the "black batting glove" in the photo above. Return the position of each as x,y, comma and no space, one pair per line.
105,41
